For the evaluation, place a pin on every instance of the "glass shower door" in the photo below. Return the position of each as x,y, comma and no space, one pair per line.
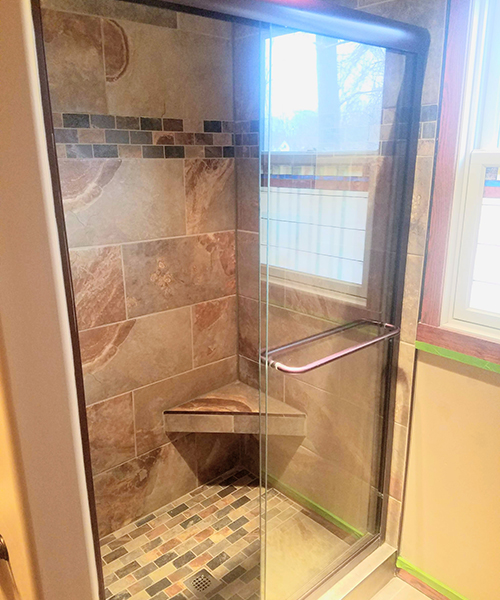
334,136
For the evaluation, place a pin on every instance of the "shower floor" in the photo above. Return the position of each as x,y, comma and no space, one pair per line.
215,529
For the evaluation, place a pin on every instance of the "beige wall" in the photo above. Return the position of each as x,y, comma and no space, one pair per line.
451,525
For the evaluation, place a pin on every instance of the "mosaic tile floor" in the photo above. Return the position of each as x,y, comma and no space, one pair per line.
213,530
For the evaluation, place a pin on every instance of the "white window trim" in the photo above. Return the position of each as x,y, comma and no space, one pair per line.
471,162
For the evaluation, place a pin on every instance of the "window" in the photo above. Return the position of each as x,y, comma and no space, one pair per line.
471,301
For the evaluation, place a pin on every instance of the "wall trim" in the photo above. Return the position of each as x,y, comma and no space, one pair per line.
473,361
402,563
310,504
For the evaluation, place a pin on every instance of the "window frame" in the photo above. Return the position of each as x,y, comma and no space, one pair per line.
436,324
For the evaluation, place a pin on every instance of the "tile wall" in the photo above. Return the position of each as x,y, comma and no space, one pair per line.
144,126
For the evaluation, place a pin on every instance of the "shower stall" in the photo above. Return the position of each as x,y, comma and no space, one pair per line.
233,183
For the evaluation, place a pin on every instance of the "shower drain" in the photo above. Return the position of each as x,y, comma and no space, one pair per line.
200,583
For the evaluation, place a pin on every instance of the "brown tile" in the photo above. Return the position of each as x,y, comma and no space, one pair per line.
118,358
100,200
248,328
216,454
246,53
91,136
176,272
151,401
73,49
411,298
168,63
116,50
111,432
247,193
248,372
98,286
420,205
163,139
194,151
210,195
143,484
406,359
248,264
214,330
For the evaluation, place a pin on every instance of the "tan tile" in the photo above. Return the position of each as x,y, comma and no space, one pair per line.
411,298
194,151
91,136
248,328
98,286
196,24
406,361
143,484
168,62
393,522
247,193
100,200
214,330
73,49
398,462
129,151
246,52
182,423
163,139
61,151
118,358
151,401
248,264
165,274
216,454
210,194
426,148
248,372
111,432
420,205
57,119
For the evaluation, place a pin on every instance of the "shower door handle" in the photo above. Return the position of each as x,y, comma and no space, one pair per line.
269,356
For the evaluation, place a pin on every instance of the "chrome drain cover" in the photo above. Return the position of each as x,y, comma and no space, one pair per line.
201,583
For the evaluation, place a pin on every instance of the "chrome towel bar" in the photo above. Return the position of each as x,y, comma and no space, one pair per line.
390,331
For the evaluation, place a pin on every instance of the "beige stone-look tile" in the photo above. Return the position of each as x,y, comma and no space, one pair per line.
98,286
129,151
337,430
411,297
91,136
117,9
151,401
336,490
215,332
196,24
406,359
74,53
116,50
393,522
101,200
216,454
183,423
111,432
165,274
248,372
289,567
426,148
121,357
285,326
248,263
398,462
166,74
143,484
428,14
246,57
210,194
420,205
247,193
248,328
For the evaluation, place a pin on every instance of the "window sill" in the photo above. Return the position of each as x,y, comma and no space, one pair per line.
461,343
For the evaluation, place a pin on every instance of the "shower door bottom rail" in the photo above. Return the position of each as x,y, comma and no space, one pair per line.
268,356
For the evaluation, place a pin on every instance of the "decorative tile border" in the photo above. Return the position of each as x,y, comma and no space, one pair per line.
80,135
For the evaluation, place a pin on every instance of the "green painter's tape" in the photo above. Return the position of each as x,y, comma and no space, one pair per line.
311,505
463,358
402,563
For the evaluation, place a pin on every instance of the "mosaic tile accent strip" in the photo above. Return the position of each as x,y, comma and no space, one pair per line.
113,136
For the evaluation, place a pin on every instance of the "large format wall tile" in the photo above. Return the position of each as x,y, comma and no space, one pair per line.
216,454
214,330
109,201
121,357
246,73
111,432
169,273
98,286
210,194
169,72
74,51
248,264
141,485
151,401
247,193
